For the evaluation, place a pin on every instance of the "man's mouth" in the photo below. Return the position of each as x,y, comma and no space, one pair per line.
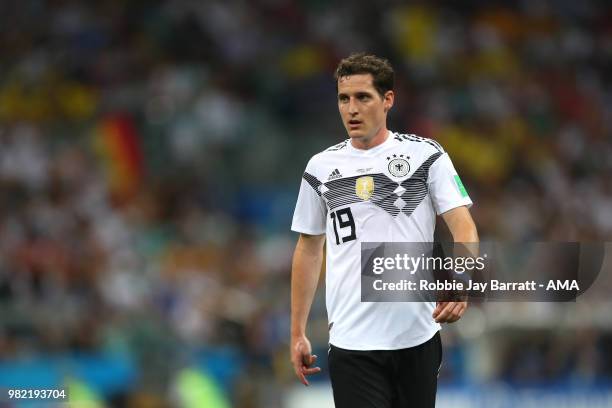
353,123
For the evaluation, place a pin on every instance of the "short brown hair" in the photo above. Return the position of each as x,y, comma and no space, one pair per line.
362,63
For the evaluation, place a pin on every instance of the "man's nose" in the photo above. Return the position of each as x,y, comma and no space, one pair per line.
352,108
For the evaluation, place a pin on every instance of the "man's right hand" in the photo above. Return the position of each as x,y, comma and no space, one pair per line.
302,359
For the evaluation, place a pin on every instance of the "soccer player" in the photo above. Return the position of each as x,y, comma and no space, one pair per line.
376,186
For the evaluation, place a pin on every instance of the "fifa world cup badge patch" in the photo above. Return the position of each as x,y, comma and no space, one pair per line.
460,186
364,187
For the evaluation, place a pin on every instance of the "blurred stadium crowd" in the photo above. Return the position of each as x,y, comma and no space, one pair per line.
151,152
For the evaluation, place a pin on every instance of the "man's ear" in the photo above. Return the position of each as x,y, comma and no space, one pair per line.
389,98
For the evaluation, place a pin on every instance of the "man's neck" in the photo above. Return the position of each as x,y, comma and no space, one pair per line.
365,144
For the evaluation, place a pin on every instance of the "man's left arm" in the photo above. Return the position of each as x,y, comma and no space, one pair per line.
463,229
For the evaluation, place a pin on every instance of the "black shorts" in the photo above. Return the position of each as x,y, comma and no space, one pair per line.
386,378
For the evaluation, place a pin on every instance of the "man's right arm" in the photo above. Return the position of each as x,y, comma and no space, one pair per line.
306,269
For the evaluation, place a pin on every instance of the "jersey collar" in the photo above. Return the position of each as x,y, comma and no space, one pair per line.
374,149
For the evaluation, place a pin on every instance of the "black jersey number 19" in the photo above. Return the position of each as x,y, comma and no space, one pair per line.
341,219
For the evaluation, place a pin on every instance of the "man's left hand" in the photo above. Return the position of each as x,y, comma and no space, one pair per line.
449,312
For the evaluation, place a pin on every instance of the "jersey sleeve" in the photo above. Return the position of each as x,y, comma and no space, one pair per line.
310,211
445,186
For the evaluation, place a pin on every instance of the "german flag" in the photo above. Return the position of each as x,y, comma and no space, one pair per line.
118,145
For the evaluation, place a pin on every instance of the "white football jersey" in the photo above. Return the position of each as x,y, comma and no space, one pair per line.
389,193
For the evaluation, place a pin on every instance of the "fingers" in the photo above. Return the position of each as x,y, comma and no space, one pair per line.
307,368
309,360
298,367
438,309
451,312
311,371
453,315
300,375
302,371
462,311
303,363
444,312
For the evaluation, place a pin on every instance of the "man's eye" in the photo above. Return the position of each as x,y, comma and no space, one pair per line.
343,99
363,97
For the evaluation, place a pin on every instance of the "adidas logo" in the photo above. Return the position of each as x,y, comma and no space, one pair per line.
334,175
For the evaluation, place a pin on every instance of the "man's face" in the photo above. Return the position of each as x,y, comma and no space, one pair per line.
362,108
